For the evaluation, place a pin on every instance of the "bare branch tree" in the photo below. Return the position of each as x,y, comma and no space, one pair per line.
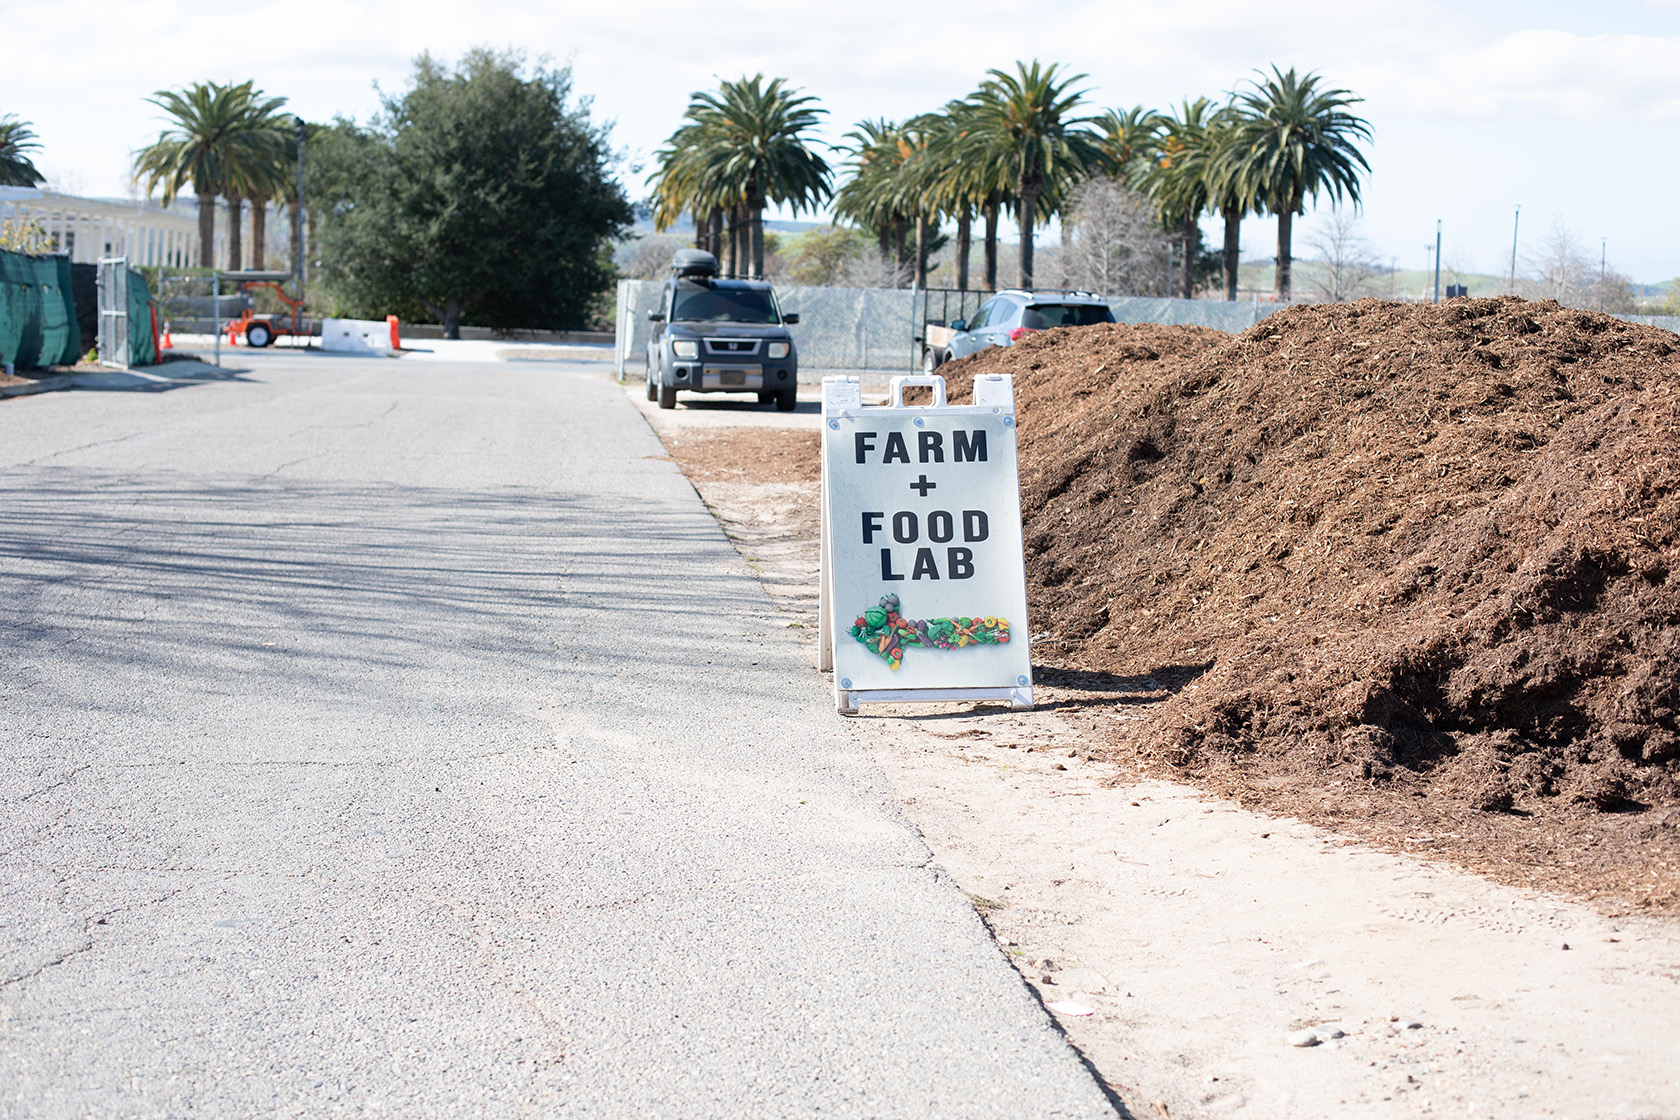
1344,267
1118,247
1563,270
647,256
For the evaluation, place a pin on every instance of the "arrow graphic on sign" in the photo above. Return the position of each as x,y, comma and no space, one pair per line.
888,633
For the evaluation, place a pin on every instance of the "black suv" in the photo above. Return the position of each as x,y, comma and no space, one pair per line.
719,336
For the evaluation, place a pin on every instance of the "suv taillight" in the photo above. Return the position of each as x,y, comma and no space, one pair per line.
1019,333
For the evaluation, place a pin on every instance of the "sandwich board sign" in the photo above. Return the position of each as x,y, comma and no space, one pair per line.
923,584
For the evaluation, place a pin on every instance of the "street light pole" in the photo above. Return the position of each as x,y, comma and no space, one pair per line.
1437,260
297,253
1514,220
1603,253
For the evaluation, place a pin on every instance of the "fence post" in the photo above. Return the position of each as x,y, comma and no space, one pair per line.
216,313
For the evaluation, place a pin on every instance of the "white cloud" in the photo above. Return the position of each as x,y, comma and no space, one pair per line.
1563,75
1473,106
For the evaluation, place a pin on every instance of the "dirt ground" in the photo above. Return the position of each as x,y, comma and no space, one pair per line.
1183,939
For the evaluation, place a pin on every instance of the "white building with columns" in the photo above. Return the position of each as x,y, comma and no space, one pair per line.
90,228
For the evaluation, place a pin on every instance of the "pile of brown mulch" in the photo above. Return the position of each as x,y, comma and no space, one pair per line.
1405,569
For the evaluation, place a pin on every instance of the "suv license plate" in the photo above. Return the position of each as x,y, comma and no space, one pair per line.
728,376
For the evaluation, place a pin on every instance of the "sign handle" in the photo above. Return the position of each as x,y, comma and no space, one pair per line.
932,380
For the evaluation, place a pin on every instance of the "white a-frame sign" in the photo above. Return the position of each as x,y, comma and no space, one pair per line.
923,588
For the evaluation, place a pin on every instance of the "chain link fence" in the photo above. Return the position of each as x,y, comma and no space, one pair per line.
185,305
881,329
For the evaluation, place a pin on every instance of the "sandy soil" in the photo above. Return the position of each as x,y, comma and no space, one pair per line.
1183,942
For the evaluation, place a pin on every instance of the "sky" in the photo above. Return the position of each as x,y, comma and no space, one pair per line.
1569,109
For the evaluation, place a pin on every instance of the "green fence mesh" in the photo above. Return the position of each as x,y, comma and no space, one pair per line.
37,313
142,349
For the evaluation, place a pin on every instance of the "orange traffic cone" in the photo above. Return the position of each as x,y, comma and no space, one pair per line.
167,344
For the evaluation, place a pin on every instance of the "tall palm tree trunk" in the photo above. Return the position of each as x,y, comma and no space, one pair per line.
1285,245
758,242
236,232
207,231
965,235
1028,219
921,252
259,232
901,255
1192,238
734,241
755,208
1065,257
1232,255
991,243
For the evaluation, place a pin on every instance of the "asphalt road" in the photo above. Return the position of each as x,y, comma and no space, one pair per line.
392,738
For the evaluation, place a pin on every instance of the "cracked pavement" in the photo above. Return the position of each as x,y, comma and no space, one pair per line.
440,760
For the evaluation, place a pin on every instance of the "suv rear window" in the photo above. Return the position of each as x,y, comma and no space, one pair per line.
1042,316
716,305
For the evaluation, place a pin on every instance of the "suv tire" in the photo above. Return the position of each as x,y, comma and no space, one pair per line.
667,396
652,384
787,400
931,360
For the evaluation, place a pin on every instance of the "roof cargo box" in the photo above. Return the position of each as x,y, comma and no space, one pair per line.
694,262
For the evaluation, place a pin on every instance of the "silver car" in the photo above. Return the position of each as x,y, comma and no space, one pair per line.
1009,315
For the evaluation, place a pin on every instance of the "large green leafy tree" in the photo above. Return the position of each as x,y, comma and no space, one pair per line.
1293,141
1028,121
222,140
483,194
742,148
16,168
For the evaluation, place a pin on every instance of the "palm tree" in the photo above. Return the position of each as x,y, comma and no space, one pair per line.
1129,135
963,177
225,138
16,169
1231,192
1178,176
745,146
1294,140
271,179
688,182
1026,121
873,195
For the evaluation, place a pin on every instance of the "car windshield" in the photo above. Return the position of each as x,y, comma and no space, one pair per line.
1044,315
725,305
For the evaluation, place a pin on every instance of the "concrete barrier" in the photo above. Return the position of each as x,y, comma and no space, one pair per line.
356,336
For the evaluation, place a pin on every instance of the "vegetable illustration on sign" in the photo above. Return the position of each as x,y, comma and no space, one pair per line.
886,632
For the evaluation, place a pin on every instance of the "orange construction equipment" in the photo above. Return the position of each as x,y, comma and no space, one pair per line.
260,330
